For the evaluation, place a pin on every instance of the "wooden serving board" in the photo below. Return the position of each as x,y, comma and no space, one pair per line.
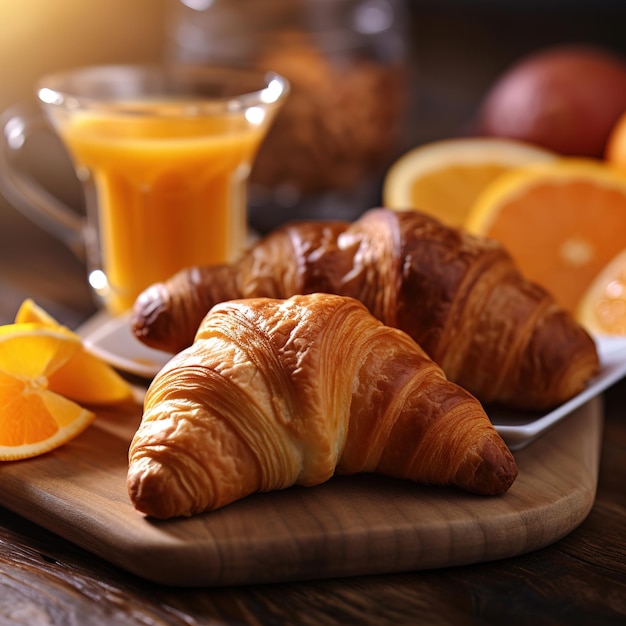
348,526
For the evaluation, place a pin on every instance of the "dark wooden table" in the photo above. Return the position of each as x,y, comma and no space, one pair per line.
47,580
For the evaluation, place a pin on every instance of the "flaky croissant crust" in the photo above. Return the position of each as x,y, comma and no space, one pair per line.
460,297
280,392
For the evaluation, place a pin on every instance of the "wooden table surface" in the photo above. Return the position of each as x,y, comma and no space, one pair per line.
581,579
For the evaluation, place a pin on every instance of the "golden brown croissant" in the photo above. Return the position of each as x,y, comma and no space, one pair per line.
280,392
460,297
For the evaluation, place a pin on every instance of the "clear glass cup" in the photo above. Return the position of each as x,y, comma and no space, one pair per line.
164,156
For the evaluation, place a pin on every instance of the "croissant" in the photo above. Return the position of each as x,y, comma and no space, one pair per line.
460,297
274,393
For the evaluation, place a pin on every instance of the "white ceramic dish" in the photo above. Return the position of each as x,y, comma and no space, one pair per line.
519,429
112,340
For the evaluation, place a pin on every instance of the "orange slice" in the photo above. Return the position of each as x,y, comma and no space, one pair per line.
615,151
85,378
31,312
33,418
602,309
562,221
445,177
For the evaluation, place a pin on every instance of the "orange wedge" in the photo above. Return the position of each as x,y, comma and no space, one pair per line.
444,178
562,221
31,312
615,151
85,378
33,418
602,310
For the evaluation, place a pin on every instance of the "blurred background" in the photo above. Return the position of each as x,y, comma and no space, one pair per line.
458,47
454,50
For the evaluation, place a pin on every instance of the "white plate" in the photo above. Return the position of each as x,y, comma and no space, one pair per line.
519,429
112,340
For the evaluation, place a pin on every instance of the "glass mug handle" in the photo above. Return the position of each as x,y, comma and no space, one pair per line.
23,191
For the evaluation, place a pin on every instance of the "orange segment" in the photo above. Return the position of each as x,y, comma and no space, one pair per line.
31,312
615,152
602,309
34,419
562,222
44,373
445,177
38,421
88,380
85,378
31,350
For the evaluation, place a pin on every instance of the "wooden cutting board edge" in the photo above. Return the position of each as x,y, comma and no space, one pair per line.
349,526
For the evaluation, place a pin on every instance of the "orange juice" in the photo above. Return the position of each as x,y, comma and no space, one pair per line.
169,192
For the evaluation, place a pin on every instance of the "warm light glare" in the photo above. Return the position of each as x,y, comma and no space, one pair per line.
43,36
14,133
198,5
98,280
49,96
272,92
255,116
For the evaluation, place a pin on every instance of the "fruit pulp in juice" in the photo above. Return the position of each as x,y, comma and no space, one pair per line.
169,193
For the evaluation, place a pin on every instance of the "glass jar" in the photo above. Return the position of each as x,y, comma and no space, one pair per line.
342,124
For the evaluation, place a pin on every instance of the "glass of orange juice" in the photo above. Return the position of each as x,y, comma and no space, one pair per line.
163,155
